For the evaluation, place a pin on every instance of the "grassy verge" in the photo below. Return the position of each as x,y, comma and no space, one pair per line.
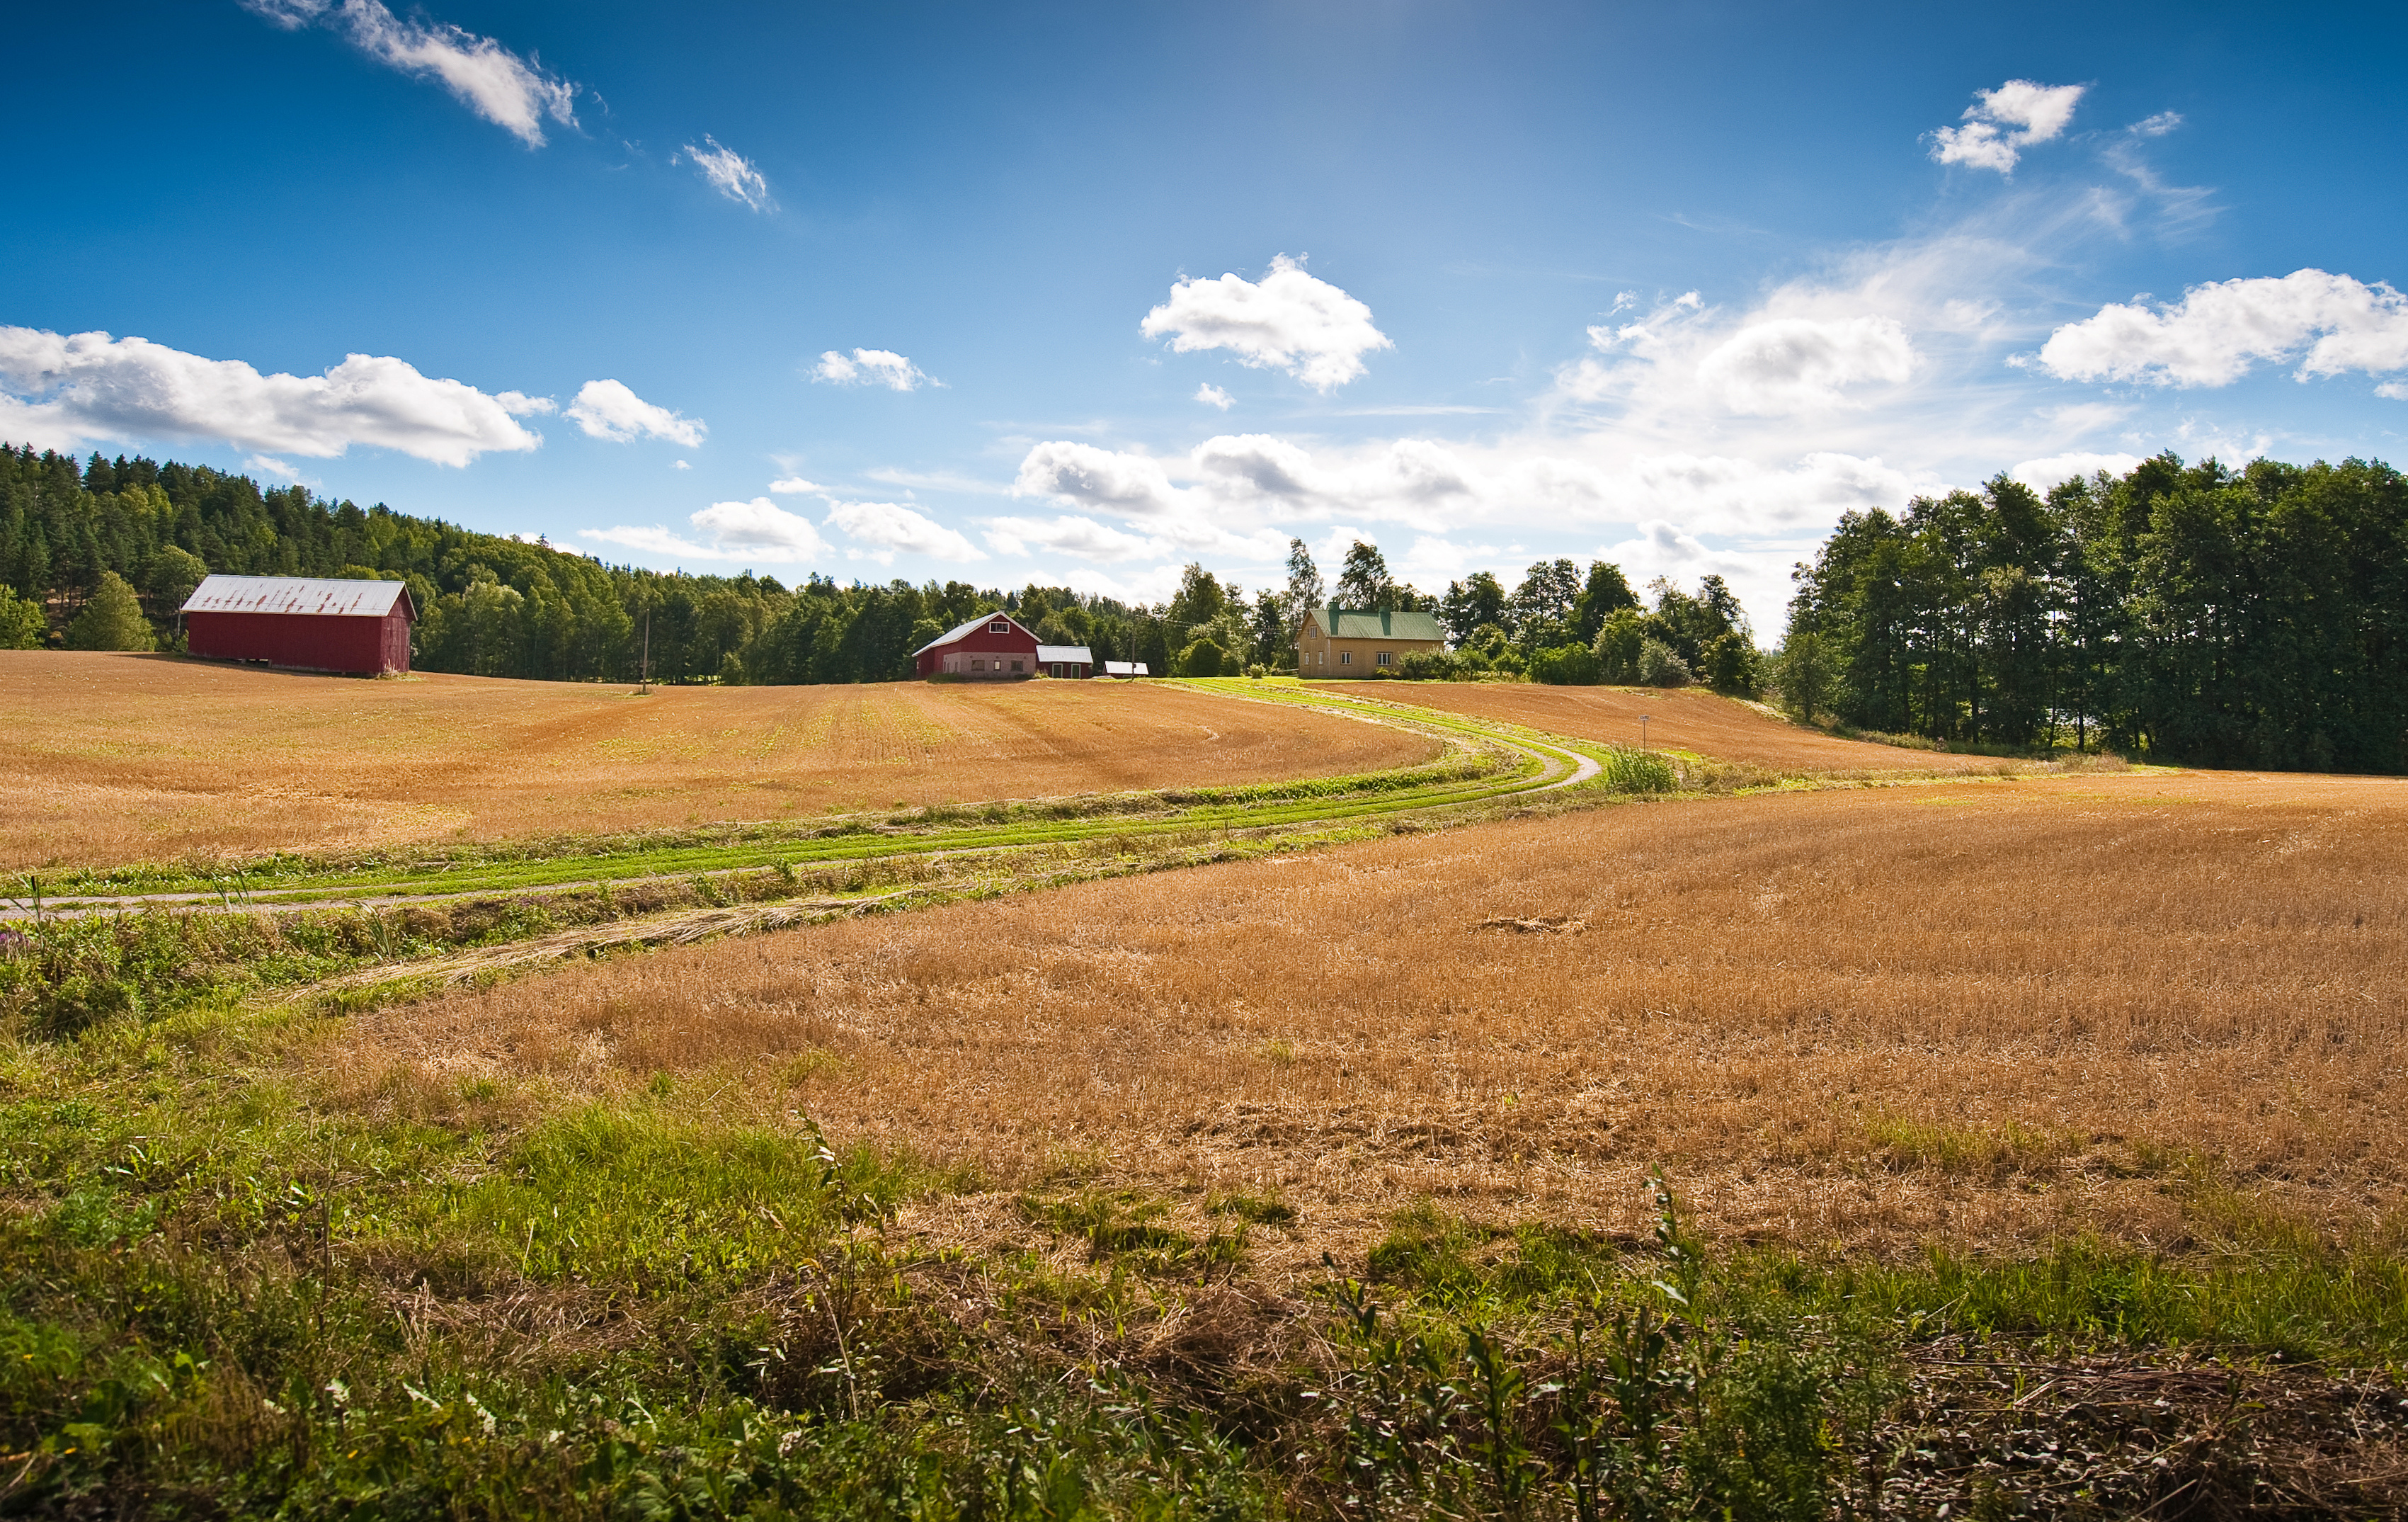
225,1294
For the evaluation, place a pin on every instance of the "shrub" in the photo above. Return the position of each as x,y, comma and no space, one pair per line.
1566,665
1660,665
1202,659
1256,671
1732,664
22,622
113,620
1629,769
1431,666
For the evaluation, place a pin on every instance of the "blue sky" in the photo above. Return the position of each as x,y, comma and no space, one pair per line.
1111,287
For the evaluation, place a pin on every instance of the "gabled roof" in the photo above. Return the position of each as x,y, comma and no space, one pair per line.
1371,623
1081,653
316,594
969,626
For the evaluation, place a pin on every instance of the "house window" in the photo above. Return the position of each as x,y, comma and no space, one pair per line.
977,665
1015,665
998,626
1346,657
1383,657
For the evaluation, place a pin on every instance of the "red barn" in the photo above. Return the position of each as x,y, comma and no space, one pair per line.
310,623
990,647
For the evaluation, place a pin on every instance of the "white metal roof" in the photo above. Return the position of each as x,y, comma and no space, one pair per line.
1125,669
971,625
296,595
1048,654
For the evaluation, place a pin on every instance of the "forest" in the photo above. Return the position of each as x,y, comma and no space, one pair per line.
2244,618
2194,612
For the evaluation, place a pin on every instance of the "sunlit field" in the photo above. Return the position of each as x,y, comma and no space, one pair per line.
110,758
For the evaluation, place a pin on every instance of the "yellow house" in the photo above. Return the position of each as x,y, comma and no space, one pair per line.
1334,643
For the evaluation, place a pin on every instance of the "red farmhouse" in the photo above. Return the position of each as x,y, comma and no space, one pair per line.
997,647
310,623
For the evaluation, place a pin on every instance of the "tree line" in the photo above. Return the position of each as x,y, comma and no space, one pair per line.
2249,618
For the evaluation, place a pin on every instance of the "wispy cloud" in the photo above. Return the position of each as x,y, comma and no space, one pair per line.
514,94
729,173
871,367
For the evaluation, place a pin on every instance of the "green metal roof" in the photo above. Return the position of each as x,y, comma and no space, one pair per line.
1367,623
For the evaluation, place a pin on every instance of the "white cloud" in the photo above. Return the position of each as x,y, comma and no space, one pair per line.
794,486
1292,322
1072,535
892,527
512,93
2044,474
517,404
2396,391
2219,330
681,464
730,173
870,368
656,540
760,525
1212,395
2004,122
1798,364
62,391
608,409
269,465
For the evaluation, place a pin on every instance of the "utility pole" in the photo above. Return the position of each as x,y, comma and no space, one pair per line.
644,683
1643,731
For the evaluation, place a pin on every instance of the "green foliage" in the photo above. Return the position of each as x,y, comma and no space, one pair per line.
1732,664
2246,618
1202,658
1631,770
1433,666
1567,666
113,620
23,625
1659,666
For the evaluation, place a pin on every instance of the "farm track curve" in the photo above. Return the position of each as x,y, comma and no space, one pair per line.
1547,762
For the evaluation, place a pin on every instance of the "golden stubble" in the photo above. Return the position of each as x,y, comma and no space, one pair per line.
1986,1013
108,758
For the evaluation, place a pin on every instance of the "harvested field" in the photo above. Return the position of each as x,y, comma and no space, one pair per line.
108,758
1683,719
2150,1006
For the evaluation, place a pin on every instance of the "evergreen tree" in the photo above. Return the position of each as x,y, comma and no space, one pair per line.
113,619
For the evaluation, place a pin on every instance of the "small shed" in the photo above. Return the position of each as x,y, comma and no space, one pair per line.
992,647
1125,669
1065,660
309,623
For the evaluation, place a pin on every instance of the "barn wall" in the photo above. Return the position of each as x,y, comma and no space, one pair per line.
307,641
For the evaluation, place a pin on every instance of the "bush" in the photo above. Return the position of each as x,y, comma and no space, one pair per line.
1432,666
1256,671
1732,664
1660,665
23,625
1202,659
1566,665
113,620
1629,769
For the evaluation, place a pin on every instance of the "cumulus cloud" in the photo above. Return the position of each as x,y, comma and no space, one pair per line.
1291,321
514,94
730,173
62,391
1072,535
758,532
1212,395
2218,331
890,527
794,486
763,527
2056,469
517,404
1797,364
870,368
2002,123
608,409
